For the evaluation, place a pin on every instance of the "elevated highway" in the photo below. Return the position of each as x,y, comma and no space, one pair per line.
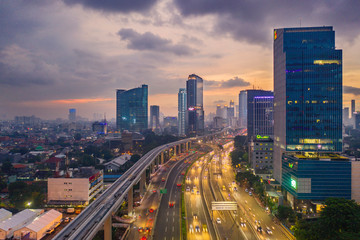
98,214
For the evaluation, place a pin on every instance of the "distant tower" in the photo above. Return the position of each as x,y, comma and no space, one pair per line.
154,118
352,107
72,115
182,111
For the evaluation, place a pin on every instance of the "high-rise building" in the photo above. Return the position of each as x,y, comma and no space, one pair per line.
346,116
72,114
218,111
195,109
308,114
251,94
132,109
352,107
155,118
230,114
263,116
243,109
182,111
170,125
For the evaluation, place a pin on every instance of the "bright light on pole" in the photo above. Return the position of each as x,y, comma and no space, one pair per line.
28,204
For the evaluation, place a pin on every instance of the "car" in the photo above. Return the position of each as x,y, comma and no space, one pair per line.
259,229
171,204
246,190
72,218
194,186
250,193
163,179
205,177
188,189
233,182
268,231
192,191
205,229
179,184
50,231
195,216
187,178
140,229
67,219
197,228
243,224
154,191
197,192
183,173
147,229
191,229
218,221
235,188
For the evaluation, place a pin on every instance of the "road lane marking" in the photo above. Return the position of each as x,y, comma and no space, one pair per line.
167,213
173,219
166,229
173,228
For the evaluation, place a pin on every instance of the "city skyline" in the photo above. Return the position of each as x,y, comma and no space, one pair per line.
53,58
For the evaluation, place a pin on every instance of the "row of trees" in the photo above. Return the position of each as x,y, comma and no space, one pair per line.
339,220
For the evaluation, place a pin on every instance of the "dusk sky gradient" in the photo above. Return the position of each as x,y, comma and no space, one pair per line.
56,55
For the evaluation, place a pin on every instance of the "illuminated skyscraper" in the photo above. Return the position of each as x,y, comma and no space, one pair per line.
352,107
132,109
195,109
182,111
307,108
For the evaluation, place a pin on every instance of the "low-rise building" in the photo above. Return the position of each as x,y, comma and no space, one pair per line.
76,190
38,228
261,153
4,214
115,164
19,220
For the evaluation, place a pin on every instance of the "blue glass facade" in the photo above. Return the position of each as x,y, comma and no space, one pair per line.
251,94
132,109
195,108
316,179
307,92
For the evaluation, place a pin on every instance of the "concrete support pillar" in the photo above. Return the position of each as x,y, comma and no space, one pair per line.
162,158
142,183
179,146
130,201
108,229
174,148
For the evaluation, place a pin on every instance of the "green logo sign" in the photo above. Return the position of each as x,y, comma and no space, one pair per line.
293,183
163,191
291,165
262,137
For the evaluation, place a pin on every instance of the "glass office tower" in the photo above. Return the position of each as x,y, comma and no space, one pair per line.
307,93
132,109
155,118
195,109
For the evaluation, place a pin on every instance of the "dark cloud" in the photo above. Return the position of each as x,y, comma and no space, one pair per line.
152,42
234,82
253,21
351,90
122,6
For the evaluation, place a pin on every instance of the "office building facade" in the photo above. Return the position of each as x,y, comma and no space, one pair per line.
263,123
195,109
251,94
352,107
307,98
182,106
132,109
155,118
243,109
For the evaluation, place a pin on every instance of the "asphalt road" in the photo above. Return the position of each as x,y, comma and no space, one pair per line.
250,209
168,218
197,214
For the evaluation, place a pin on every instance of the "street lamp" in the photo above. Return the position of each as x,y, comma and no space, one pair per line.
28,204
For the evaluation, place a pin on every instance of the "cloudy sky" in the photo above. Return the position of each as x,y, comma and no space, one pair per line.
56,55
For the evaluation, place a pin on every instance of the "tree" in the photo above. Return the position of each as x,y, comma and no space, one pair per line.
285,212
7,167
339,220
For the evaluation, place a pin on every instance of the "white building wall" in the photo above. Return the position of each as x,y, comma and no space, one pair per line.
68,189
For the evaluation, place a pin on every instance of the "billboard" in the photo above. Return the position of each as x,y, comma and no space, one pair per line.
224,206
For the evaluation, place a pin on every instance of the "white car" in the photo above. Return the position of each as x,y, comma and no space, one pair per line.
197,228
191,229
218,221
243,224
268,231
